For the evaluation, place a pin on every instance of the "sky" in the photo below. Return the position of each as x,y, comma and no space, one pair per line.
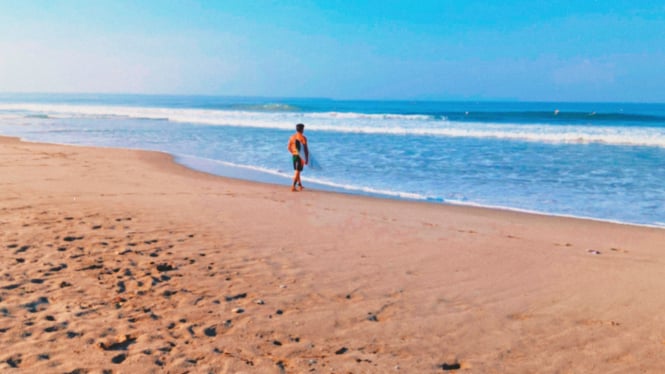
524,50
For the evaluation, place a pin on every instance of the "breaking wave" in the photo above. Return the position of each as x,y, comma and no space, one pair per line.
370,123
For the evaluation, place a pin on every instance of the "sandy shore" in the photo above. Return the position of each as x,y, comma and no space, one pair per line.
123,261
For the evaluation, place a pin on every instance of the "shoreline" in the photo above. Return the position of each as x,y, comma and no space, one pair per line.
124,260
320,187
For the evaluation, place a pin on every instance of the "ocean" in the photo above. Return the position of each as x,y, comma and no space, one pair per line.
603,161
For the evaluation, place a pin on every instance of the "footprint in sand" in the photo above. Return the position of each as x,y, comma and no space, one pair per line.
14,361
210,331
121,343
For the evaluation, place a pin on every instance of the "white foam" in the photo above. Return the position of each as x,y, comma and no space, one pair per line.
10,116
351,115
656,225
413,196
379,192
322,182
367,190
389,124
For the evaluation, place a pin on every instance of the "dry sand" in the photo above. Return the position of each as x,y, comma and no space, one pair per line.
122,261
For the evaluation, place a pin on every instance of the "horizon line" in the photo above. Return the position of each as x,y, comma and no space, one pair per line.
466,100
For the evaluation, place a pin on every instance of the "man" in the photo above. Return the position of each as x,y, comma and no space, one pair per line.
297,142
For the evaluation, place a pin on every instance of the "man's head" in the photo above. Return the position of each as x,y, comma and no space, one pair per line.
300,127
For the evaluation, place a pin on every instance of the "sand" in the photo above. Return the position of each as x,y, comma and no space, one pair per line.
123,261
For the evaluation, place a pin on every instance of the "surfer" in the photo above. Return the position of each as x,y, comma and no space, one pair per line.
297,142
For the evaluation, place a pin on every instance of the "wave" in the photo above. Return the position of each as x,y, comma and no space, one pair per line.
199,115
555,134
268,107
372,116
364,190
655,224
10,116
555,116
365,123
370,190
195,162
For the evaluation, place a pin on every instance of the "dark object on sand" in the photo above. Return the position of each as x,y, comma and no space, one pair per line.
341,351
165,267
453,366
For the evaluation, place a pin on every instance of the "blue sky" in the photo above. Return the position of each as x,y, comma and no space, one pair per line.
447,50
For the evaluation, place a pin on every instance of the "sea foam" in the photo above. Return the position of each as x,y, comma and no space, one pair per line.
586,160
389,124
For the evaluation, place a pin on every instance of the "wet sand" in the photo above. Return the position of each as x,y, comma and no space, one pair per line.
123,261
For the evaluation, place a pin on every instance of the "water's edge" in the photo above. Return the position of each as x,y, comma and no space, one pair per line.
226,170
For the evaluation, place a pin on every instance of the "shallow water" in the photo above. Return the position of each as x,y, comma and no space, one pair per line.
603,161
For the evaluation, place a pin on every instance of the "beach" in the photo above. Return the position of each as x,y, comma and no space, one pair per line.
124,261
550,158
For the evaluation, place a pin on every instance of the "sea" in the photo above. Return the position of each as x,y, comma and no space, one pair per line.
603,161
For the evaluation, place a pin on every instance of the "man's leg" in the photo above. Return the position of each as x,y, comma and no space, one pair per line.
296,172
299,169
299,182
296,179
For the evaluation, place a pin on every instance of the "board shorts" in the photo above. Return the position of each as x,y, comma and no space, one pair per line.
297,163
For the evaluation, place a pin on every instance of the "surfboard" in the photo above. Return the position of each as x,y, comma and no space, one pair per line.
312,163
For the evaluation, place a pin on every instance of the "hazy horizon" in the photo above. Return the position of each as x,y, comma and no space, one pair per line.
463,100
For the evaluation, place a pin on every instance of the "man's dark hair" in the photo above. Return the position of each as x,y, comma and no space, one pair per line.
300,126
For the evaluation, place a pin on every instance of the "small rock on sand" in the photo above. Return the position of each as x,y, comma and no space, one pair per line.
448,367
341,351
119,358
